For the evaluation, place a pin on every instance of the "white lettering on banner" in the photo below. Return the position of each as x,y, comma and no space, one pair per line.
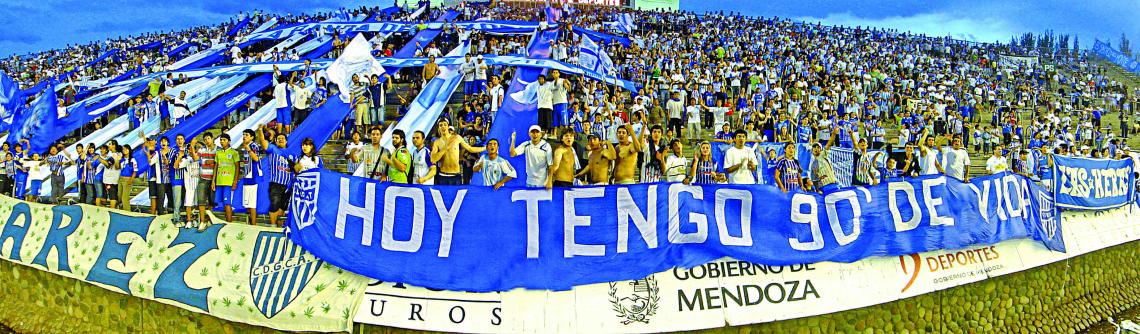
811,217
388,236
833,217
1006,183
699,219
447,217
531,197
745,198
916,213
646,223
933,202
1094,183
983,196
345,209
572,220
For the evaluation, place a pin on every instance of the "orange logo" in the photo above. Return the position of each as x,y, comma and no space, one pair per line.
917,267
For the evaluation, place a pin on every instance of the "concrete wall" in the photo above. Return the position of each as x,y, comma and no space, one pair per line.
1062,297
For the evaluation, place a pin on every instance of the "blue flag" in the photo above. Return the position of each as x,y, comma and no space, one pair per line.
29,121
1093,184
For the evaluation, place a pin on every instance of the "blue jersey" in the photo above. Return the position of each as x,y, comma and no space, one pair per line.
280,170
804,134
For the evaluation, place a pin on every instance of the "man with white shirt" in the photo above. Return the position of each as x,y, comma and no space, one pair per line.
561,86
928,157
957,160
468,70
997,163
480,74
545,94
284,115
301,98
739,161
495,92
539,157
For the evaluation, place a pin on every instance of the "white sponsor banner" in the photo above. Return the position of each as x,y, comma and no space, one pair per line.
1015,61
731,292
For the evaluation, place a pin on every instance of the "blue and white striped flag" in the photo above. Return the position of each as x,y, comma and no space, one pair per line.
592,57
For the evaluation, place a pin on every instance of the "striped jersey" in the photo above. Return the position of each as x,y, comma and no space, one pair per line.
789,173
280,165
206,163
250,170
90,173
56,162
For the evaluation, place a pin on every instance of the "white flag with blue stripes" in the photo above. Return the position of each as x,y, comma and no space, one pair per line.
592,57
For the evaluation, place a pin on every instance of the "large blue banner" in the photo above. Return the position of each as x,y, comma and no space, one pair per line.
1119,58
476,239
1088,184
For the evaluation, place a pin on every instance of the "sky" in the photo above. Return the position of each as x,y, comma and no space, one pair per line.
973,20
47,24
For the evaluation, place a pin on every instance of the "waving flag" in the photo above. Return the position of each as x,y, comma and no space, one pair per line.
9,98
592,57
356,59
29,121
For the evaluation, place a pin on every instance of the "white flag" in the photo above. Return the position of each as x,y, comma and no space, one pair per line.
356,59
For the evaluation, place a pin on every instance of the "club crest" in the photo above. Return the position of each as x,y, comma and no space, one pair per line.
303,206
279,271
635,301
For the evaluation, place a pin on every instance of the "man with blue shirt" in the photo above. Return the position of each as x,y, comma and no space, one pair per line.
280,173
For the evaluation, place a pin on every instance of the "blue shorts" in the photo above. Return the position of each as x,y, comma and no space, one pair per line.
561,117
285,116
223,194
36,184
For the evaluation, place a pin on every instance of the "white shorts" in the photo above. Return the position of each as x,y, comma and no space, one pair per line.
249,196
191,189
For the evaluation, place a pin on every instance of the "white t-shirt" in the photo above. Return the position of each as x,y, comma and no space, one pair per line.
546,96
742,175
996,165
957,162
496,93
926,163
676,168
694,113
279,94
538,160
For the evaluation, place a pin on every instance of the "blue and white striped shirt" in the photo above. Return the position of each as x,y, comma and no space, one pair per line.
280,165
56,163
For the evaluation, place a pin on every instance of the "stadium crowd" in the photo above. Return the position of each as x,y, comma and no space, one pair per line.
899,104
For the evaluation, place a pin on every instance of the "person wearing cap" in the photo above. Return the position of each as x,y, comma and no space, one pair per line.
539,157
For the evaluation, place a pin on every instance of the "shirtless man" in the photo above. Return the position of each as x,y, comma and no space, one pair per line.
597,170
564,163
445,154
625,168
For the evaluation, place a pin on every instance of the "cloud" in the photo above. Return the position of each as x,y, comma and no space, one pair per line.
984,29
